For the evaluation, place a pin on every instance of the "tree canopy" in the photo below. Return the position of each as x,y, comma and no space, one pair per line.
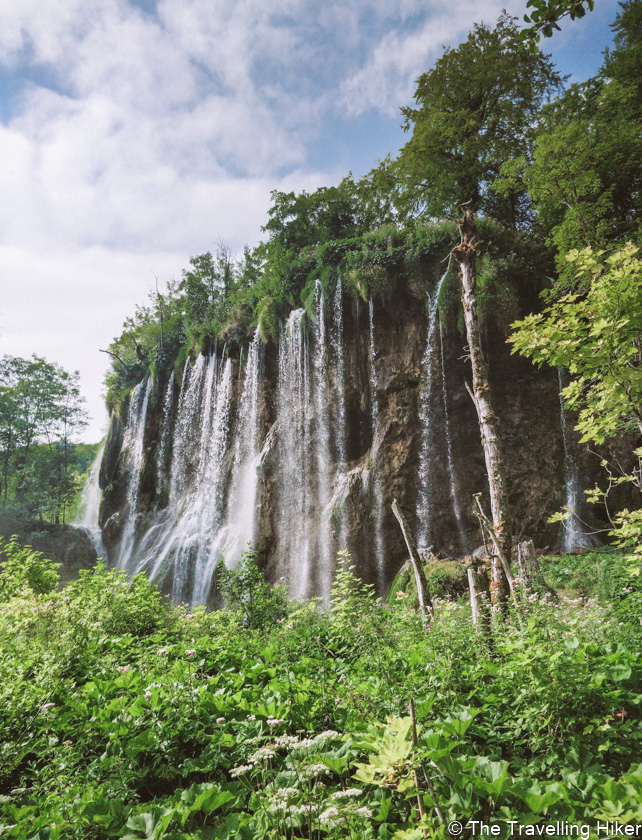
41,413
474,111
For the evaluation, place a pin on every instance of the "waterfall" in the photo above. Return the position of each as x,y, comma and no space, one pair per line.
185,541
339,494
449,448
321,446
86,518
133,447
241,523
293,397
339,370
377,490
305,390
426,490
573,534
188,419
165,443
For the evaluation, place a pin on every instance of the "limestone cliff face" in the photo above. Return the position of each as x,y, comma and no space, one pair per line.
358,443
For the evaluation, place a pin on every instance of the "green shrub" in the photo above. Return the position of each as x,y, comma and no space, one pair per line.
24,567
108,598
245,589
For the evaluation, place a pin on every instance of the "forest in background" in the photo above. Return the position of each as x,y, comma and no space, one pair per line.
42,465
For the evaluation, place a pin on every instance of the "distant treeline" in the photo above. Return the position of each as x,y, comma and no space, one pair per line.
41,414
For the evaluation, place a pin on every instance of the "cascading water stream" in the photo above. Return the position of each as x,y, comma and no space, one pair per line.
426,490
211,487
449,447
573,535
294,457
321,446
241,521
87,516
377,490
189,418
339,371
185,543
341,486
164,446
133,446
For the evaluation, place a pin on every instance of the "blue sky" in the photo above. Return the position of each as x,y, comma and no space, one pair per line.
134,134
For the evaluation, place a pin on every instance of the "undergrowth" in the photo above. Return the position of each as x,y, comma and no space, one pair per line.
122,716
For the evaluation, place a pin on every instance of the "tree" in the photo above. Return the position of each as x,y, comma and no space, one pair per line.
475,110
299,221
546,14
585,174
596,332
501,537
207,285
41,411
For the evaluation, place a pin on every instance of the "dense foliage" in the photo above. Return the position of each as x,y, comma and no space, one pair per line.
475,110
122,716
41,413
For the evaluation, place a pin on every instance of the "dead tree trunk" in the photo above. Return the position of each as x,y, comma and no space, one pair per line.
529,569
423,594
479,588
465,254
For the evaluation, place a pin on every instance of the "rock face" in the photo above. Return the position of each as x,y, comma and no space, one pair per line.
302,447
63,543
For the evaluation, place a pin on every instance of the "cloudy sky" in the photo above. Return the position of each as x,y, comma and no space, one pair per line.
136,133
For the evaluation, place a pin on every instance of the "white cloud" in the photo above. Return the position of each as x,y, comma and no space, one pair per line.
386,80
137,139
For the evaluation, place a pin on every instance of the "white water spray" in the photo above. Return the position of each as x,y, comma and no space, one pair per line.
293,442
377,490
86,518
426,490
449,447
133,447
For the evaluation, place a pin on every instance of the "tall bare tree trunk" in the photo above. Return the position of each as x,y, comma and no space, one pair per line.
465,254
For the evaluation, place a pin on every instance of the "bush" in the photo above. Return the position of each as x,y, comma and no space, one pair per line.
245,589
22,566
119,605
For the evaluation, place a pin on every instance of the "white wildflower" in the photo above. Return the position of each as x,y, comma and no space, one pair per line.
310,771
330,816
303,745
262,754
288,742
344,794
328,735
